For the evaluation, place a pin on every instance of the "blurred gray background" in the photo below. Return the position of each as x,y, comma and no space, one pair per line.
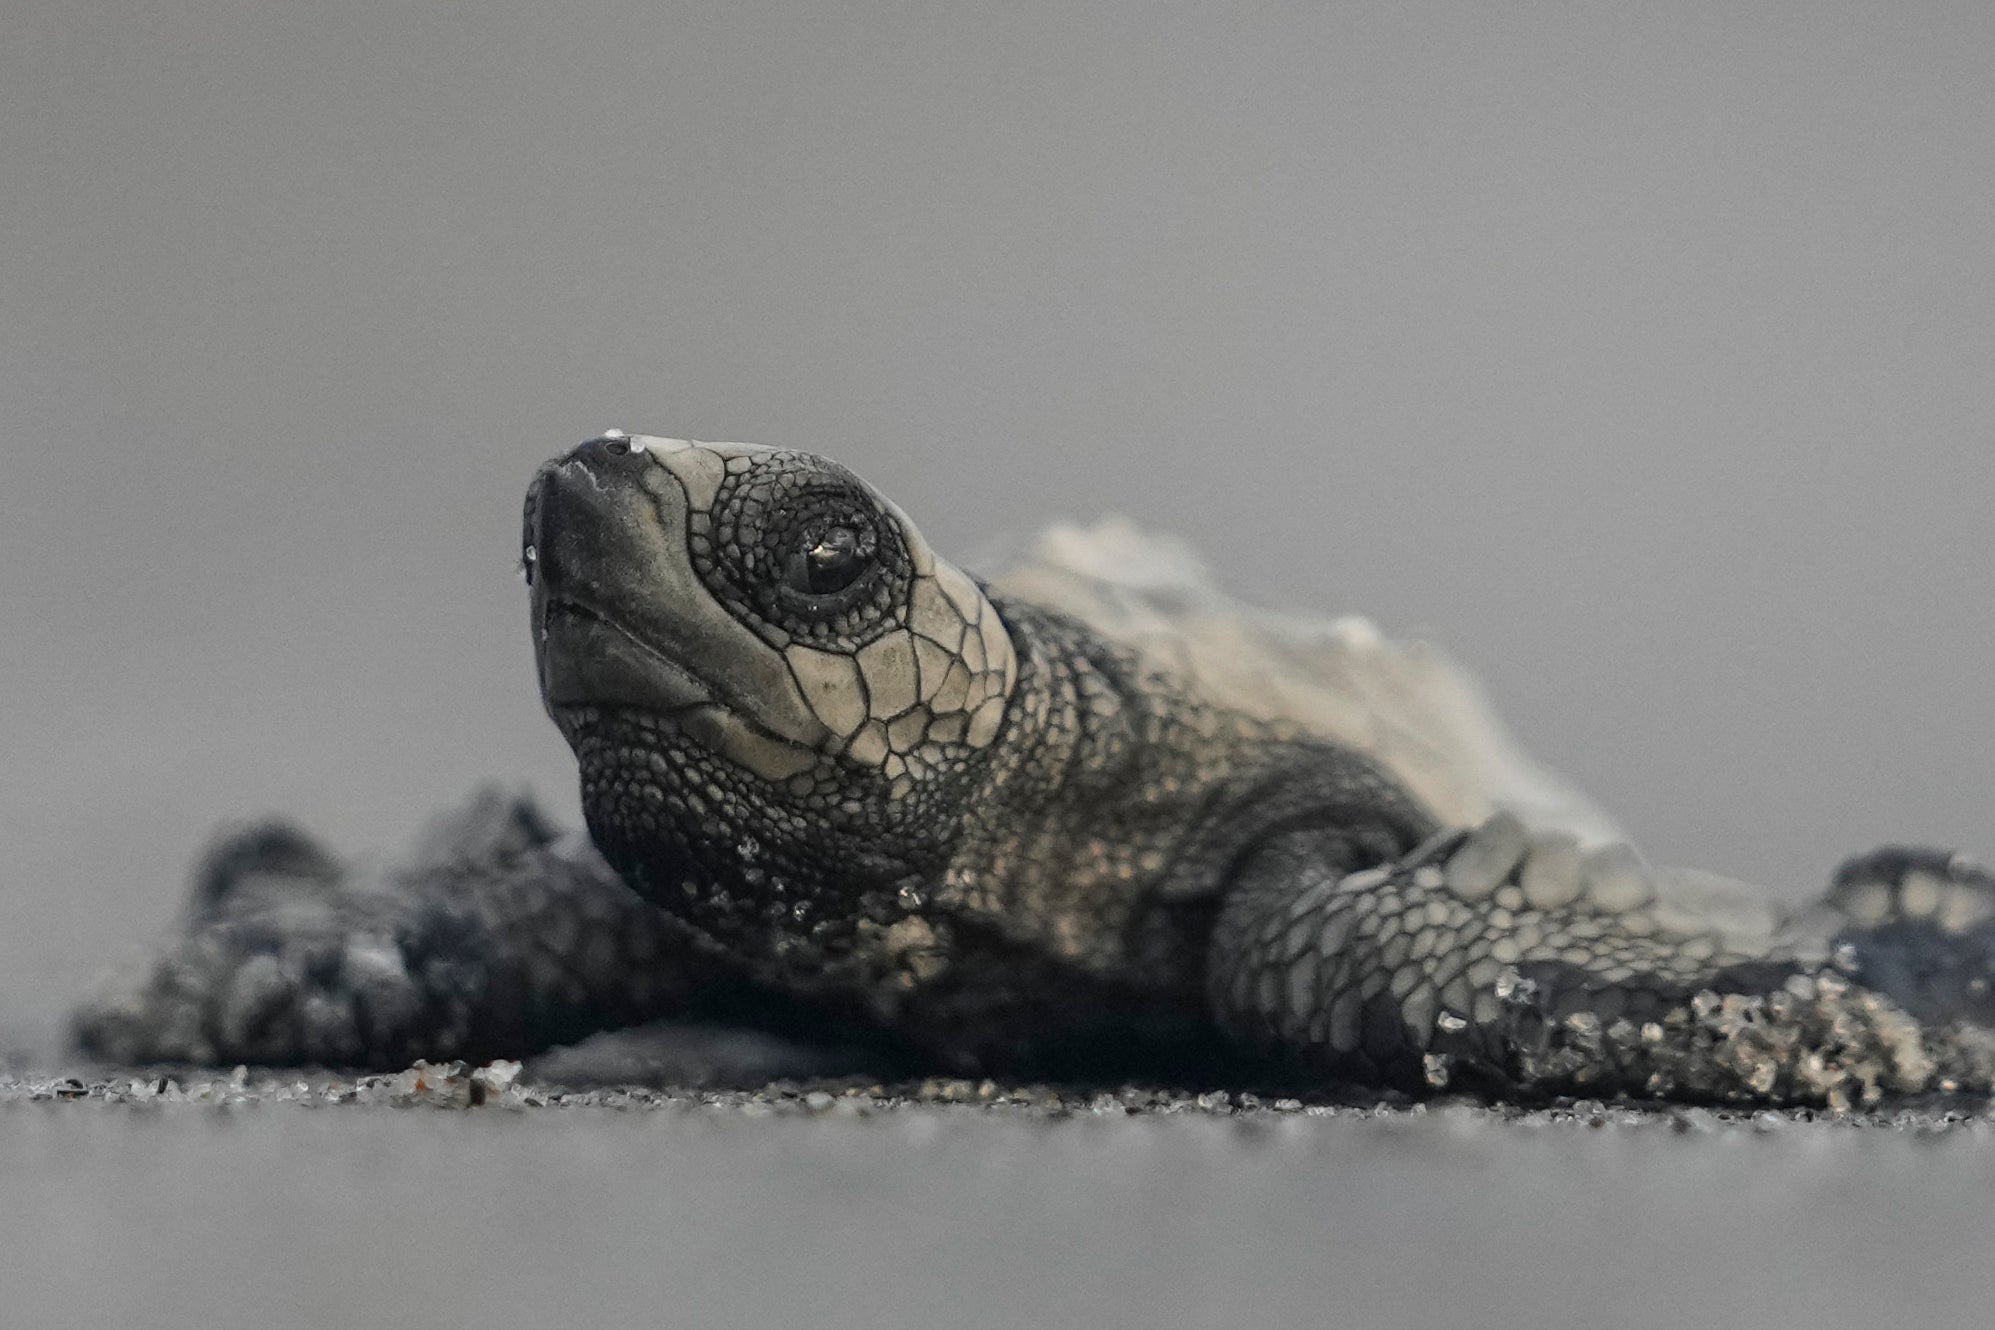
1642,356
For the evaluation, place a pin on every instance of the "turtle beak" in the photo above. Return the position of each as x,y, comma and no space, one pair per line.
621,617
601,550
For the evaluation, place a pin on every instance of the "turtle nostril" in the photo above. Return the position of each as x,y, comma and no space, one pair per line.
612,443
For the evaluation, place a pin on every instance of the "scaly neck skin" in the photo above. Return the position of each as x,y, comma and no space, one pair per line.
794,888
1117,805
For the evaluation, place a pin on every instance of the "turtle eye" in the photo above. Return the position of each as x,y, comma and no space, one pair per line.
799,547
828,561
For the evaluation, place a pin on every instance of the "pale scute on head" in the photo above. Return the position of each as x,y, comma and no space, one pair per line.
927,683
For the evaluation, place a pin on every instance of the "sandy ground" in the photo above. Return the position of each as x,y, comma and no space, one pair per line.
236,1199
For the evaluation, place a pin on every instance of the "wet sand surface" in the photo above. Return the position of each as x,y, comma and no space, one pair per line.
257,1200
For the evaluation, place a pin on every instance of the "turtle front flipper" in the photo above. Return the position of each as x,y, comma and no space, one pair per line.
497,938
1499,960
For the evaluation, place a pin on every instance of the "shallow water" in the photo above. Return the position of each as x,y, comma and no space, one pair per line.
278,1214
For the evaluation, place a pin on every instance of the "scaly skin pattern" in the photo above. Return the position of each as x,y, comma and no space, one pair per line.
1091,819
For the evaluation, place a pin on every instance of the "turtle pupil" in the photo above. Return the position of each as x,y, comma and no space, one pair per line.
833,561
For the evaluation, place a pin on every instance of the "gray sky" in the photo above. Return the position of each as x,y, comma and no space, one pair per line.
1641,356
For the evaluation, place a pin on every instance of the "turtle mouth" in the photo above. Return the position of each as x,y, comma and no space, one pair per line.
591,663
588,658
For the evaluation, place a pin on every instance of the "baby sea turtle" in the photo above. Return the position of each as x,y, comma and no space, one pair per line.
1088,818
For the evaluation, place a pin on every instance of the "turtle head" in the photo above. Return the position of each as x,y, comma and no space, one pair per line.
774,687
